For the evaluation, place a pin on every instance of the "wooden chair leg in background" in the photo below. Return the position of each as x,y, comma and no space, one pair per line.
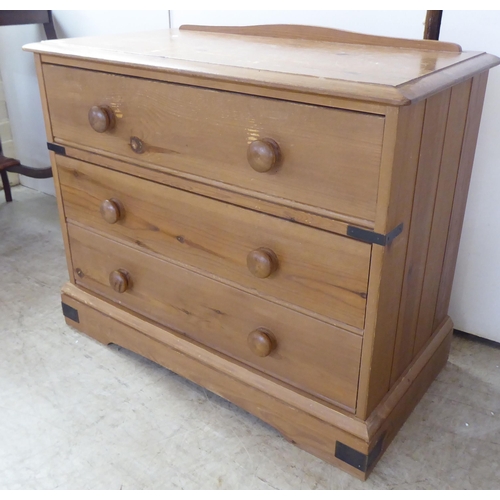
5,164
6,186
433,24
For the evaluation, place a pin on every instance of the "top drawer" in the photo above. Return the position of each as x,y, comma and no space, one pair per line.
328,158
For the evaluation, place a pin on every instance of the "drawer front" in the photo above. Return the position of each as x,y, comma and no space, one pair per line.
329,159
308,354
316,270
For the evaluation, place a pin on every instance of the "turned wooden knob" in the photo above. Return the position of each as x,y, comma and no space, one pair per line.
119,280
101,118
263,155
261,342
137,145
262,262
111,211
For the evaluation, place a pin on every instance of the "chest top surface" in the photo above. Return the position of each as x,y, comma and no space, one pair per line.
305,59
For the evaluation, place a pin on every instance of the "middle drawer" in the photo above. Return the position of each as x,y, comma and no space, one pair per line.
309,268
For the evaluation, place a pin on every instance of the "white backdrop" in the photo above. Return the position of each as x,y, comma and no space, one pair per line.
475,300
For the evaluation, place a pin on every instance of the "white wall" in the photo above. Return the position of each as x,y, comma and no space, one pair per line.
8,146
19,77
475,300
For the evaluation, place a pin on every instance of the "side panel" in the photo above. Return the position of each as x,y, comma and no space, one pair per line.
435,121
400,154
460,196
455,130
405,323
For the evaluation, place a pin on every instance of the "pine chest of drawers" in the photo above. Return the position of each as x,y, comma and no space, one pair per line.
271,212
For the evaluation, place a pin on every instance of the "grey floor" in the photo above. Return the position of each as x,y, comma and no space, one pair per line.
77,415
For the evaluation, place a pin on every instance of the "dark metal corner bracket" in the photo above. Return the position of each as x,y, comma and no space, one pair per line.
357,459
58,150
70,312
372,236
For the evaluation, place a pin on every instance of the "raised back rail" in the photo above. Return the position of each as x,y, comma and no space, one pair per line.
295,31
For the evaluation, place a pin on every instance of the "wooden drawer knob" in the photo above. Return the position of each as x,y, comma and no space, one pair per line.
101,118
262,262
263,155
119,280
137,145
261,342
111,211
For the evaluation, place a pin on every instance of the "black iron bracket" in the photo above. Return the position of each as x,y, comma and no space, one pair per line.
58,150
357,459
372,236
70,312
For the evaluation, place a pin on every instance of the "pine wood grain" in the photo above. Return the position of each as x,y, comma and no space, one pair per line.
401,148
296,212
310,425
281,92
310,355
392,412
394,398
450,159
57,187
426,184
460,194
320,410
185,131
43,97
389,75
295,31
317,271
207,133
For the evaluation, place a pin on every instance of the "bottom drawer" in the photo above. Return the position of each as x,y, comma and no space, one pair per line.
299,350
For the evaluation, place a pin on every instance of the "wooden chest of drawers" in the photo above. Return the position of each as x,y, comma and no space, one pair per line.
272,212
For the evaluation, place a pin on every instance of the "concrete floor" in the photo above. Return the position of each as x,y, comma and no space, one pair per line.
77,415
